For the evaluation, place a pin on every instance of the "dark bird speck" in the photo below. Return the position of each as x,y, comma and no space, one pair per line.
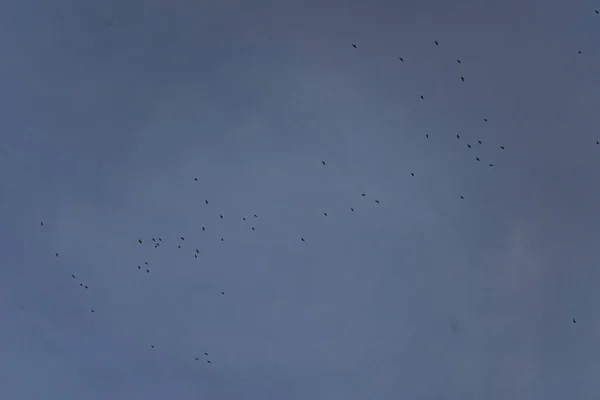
401,59
462,78
354,46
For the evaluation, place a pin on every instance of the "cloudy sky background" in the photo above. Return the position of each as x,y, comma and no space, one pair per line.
423,296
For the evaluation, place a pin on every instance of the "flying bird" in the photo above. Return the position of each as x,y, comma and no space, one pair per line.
477,158
56,254
377,201
205,354
502,147
208,361
436,43
351,209
255,216
324,163
203,229
206,201
491,165
196,179
479,141
462,78
412,174
422,97
42,223
147,270
222,239
221,215
401,59
222,292
182,238
302,239
458,61
579,52
462,197
252,228
458,136
468,145
325,214
140,240
427,136
574,321
354,45
485,119
363,194
73,276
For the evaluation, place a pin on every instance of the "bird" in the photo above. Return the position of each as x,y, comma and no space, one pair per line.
154,240
422,97
485,119
81,284
401,59
92,310
477,158
462,78
197,251
160,239
436,42
178,246
146,262
363,194
255,216
458,61
252,228
208,361
139,267
203,229
196,358
222,239
427,136
73,276
479,141
502,147
196,179
458,136
468,145
324,163
325,214
140,240
195,255
221,215
182,238
377,201
579,52
206,201
86,286
491,165
597,12
354,45
462,197
412,174
147,270
222,292
152,345
42,223
351,209
56,254
574,321
205,354
302,239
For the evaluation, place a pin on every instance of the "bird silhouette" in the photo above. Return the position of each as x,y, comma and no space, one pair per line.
140,240
574,321
422,97
462,78
221,215
502,147
436,43
477,158
324,163
401,59
42,223
412,174
325,214
302,239
206,201
479,141
427,136
56,254
354,46
182,238
351,209
458,61
196,179
485,120
462,197
468,145
377,201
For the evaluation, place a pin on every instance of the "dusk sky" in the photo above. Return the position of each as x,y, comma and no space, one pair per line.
111,109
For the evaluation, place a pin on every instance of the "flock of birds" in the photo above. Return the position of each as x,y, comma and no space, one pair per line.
158,241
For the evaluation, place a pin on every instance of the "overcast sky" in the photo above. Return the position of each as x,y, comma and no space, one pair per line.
423,295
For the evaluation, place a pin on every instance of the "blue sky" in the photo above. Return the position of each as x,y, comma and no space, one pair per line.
423,295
